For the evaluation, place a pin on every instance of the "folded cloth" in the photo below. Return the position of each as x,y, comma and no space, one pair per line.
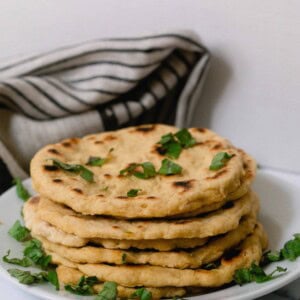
93,87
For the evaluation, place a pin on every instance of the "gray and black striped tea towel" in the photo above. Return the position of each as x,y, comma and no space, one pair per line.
93,87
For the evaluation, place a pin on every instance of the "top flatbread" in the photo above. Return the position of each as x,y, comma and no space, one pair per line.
161,196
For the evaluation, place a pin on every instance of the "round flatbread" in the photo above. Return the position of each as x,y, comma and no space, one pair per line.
248,252
177,259
55,235
160,196
218,222
67,275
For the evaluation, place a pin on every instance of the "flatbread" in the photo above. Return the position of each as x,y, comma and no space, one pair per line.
68,275
143,275
218,222
53,234
175,259
161,196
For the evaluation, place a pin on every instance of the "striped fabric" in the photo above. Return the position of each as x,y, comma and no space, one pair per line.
93,87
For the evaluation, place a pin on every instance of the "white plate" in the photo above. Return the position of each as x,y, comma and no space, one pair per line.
280,207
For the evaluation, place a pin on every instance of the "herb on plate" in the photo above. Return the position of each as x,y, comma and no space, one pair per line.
168,167
255,273
85,173
142,294
21,190
109,291
133,192
172,144
24,262
219,160
97,161
34,251
19,232
83,287
143,170
124,256
26,277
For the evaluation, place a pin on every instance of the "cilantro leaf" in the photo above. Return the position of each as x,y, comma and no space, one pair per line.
142,294
83,286
169,168
85,173
273,256
109,291
124,256
219,160
255,273
96,161
148,170
19,232
291,249
53,279
24,262
173,144
33,250
26,277
185,138
21,190
133,192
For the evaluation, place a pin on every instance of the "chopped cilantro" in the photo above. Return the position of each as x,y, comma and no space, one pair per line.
124,256
185,138
53,279
133,192
255,273
109,291
142,294
19,232
219,160
26,277
83,287
143,170
85,173
33,250
21,190
169,168
291,249
96,161
24,262
173,144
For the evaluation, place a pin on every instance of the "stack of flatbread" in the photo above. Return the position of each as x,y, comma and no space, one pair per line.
150,206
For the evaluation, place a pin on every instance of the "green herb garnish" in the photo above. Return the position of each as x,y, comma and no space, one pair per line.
96,161
142,294
109,291
169,168
83,287
255,273
53,279
219,160
185,138
144,170
21,190
24,262
173,144
33,250
291,249
124,256
26,277
133,192
85,173
19,232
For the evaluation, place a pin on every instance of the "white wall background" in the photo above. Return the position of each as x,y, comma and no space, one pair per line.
252,94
